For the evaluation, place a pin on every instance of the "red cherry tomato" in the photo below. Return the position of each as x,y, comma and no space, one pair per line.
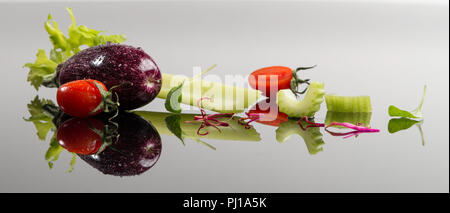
80,98
274,118
77,135
261,79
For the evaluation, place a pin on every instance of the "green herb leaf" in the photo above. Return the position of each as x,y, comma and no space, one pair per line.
41,120
174,126
64,47
416,113
398,124
174,98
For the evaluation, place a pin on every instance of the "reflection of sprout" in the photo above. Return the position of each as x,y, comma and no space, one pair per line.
250,117
358,128
399,124
311,136
311,124
208,120
174,124
362,118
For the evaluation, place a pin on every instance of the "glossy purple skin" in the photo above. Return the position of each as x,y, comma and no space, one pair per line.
114,64
136,151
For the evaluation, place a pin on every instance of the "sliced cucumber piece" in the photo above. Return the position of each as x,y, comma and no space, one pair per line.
348,103
308,106
311,136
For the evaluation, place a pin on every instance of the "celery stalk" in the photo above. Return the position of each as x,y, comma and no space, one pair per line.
225,98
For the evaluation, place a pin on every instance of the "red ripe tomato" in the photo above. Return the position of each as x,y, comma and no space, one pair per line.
274,118
80,98
77,135
261,79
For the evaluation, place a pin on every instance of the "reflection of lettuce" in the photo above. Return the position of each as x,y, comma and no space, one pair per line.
165,123
399,124
43,123
311,136
348,117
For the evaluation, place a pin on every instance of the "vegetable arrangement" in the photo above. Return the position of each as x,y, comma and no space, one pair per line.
97,83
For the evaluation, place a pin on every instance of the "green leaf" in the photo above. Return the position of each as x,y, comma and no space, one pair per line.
173,124
398,124
58,56
64,47
53,151
72,162
57,37
416,113
41,120
174,98
103,39
204,143
40,68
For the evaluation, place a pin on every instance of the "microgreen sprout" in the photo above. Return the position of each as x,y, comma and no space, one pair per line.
209,120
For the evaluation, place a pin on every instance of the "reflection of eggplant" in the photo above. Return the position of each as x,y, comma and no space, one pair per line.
137,149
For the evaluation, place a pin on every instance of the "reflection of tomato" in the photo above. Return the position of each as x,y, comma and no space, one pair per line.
77,135
273,118
261,79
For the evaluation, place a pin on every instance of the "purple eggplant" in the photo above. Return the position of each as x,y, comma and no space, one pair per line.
136,75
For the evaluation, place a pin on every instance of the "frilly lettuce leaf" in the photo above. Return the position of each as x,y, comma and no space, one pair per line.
42,67
41,120
64,47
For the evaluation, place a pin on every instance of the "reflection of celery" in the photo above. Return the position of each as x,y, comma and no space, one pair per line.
348,117
311,136
234,132
399,124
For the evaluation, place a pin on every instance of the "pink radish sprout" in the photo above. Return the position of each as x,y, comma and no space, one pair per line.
252,117
209,120
359,128
311,124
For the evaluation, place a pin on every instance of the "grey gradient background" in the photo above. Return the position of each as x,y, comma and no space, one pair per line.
385,50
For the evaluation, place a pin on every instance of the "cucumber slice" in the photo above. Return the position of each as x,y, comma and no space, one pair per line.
311,136
348,117
348,103
308,106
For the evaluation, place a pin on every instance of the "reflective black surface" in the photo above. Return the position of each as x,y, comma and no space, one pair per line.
386,51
